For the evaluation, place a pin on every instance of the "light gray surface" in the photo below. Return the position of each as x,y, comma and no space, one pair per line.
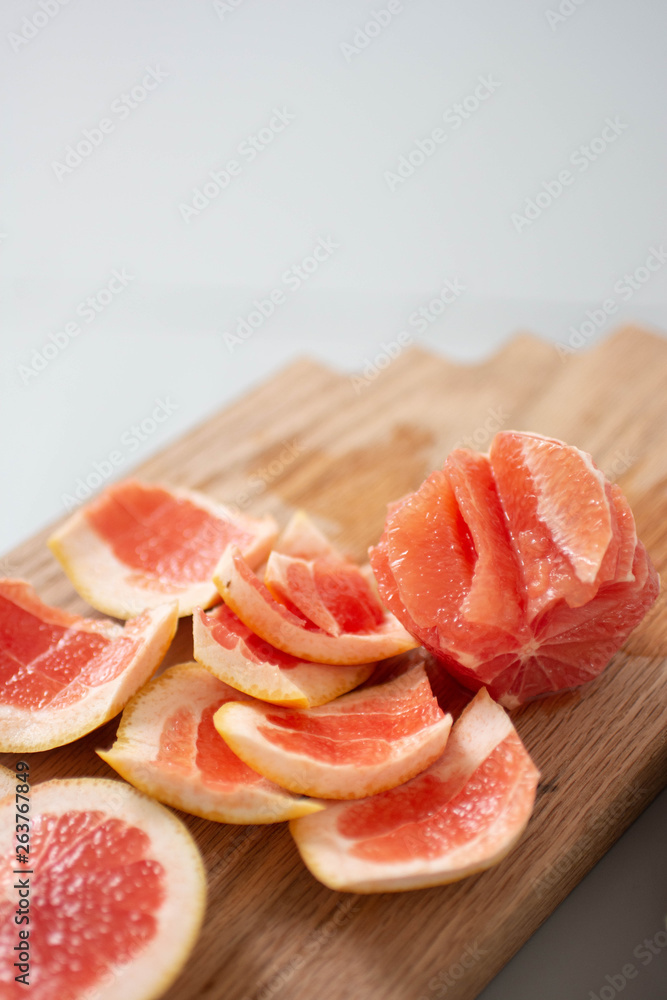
162,338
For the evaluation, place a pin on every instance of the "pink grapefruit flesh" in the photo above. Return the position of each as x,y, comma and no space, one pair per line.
234,654
62,675
117,894
462,815
167,746
360,744
291,631
138,545
521,570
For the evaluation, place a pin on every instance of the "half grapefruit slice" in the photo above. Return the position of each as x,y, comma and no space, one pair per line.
167,746
360,744
462,815
117,892
521,570
294,633
234,654
62,675
139,545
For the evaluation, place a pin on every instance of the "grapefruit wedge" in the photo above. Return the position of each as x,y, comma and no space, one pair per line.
291,631
117,892
62,675
139,545
167,746
234,654
360,744
459,817
521,570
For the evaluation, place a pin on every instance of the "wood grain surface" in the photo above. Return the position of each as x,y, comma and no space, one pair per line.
342,449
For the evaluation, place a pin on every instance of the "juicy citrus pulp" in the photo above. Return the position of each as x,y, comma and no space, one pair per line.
460,816
521,570
62,675
359,744
117,894
167,746
138,545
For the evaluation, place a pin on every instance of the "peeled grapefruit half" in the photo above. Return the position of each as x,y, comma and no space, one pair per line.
62,675
294,633
167,746
462,815
520,570
116,895
139,545
234,654
359,744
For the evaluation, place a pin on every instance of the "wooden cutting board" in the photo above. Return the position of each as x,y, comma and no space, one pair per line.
342,448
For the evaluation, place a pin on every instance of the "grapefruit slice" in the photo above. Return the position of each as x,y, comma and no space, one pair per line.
139,545
360,744
292,632
521,570
62,675
117,895
167,746
234,654
461,816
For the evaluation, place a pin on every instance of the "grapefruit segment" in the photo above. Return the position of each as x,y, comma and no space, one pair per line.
62,675
461,816
234,654
139,545
290,631
559,516
520,571
332,594
360,744
167,746
117,894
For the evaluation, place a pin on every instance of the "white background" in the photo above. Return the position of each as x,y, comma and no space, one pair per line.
355,114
